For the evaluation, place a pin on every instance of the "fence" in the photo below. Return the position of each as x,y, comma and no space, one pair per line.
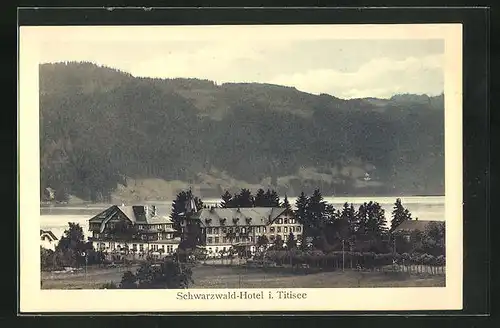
410,263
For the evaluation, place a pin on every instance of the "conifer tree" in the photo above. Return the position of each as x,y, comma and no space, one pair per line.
244,199
179,208
302,215
226,199
260,198
274,199
286,204
348,219
399,214
376,223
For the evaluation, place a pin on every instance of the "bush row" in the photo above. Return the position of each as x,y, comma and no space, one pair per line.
352,259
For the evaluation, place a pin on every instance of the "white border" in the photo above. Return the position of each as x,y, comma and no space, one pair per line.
33,299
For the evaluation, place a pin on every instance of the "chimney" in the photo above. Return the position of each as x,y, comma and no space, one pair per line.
154,210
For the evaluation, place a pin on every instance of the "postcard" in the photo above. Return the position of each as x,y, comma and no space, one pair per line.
240,168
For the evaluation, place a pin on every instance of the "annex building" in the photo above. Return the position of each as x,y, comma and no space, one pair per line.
136,229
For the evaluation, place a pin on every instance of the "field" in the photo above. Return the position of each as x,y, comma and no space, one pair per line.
239,277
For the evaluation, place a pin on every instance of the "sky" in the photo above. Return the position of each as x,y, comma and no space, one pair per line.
329,62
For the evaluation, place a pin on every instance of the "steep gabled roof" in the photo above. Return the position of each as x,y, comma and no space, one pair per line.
137,214
414,225
48,233
277,211
104,214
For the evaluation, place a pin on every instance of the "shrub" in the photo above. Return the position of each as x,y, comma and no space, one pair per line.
351,259
169,274
109,285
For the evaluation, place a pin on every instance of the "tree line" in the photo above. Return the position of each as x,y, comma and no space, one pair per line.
325,228
244,198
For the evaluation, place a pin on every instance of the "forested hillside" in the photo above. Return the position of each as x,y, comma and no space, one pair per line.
101,128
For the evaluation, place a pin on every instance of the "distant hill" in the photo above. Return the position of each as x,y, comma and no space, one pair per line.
101,127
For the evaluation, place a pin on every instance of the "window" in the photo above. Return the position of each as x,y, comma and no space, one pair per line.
286,221
292,229
141,247
140,227
224,239
285,229
271,237
216,230
237,239
257,230
237,230
209,240
250,238
264,229
242,230
279,229
216,240
163,247
209,231
271,229
134,247
224,230
280,221
298,229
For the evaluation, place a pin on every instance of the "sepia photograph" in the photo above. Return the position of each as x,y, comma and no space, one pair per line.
243,163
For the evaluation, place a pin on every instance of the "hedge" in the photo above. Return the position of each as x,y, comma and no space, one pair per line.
352,259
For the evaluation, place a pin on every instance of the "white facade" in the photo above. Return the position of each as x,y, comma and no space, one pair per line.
138,247
48,242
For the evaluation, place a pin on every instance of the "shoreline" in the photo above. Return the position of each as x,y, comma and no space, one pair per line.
209,200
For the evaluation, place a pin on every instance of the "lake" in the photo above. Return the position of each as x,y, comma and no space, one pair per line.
425,208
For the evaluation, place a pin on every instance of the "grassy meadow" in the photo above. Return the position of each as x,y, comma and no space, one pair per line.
216,276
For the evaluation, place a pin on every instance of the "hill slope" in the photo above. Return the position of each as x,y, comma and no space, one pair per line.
100,126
